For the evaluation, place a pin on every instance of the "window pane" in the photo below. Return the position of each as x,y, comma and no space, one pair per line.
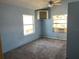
60,21
59,17
60,29
59,25
27,19
28,29
43,15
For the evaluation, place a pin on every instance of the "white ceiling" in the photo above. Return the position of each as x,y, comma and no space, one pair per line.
32,4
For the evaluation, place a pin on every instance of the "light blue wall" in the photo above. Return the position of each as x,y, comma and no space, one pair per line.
47,27
11,27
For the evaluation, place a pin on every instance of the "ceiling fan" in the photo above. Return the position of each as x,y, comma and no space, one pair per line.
52,3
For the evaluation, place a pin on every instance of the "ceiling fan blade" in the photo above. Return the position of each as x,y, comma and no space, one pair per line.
57,1
52,3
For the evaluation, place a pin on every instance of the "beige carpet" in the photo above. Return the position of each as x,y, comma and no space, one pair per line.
40,49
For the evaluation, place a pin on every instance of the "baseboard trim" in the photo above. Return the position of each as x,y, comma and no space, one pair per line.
21,45
52,38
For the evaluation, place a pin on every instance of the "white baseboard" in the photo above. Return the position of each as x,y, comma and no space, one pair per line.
54,38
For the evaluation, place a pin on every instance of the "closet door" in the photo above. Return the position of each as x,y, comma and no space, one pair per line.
1,54
73,30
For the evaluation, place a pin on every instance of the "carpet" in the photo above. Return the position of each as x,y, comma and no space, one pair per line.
43,48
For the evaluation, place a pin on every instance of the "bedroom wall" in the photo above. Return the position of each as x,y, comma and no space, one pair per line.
11,27
48,23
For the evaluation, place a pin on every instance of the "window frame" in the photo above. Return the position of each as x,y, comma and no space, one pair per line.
63,30
41,11
33,24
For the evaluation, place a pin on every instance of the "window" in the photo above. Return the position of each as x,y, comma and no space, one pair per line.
60,23
42,14
28,24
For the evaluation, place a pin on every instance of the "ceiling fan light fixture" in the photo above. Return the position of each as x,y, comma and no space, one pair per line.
50,5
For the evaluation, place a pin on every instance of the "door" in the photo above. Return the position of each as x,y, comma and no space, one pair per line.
1,54
73,30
